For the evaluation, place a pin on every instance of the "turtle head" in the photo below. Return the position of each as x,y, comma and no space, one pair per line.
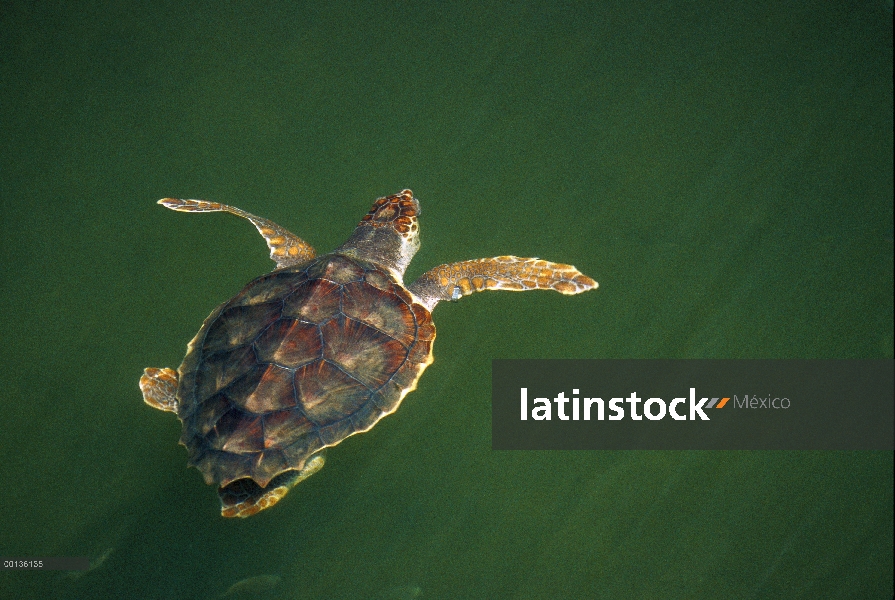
244,497
388,235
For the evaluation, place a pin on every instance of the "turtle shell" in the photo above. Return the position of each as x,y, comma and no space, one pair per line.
299,360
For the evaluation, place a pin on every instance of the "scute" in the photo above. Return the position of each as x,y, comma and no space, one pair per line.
379,280
273,463
273,286
367,304
328,394
337,269
264,388
316,301
239,325
290,343
221,467
237,432
283,428
297,361
360,350
210,413
223,368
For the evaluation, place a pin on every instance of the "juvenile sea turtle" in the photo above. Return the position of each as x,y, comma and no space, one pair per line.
318,349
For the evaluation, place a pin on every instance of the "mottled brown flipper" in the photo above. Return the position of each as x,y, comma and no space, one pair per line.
159,387
286,249
511,273
244,498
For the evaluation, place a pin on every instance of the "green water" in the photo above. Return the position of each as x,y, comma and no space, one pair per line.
724,171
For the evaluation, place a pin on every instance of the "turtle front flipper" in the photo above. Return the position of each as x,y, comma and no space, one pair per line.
159,387
455,280
286,249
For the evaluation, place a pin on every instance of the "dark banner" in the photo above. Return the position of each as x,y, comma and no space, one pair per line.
699,404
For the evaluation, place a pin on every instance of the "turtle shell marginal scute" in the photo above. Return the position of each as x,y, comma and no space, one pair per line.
299,360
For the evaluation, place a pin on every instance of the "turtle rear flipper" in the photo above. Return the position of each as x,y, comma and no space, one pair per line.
286,248
244,498
455,280
159,387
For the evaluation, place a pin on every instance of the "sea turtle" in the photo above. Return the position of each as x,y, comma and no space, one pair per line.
318,349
